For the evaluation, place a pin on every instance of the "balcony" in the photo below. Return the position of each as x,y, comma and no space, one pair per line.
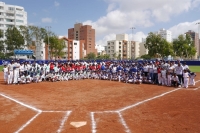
10,11
10,17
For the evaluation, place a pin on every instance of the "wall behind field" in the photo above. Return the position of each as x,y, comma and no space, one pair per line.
190,63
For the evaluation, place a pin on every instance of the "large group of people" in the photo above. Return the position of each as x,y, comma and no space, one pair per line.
159,72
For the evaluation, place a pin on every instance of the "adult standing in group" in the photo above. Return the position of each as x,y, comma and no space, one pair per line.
16,72
179,72
10,72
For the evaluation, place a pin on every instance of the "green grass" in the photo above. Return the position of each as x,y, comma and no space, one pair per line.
194,68
1,67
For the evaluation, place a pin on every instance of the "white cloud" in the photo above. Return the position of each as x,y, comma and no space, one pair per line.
123,14
56,4
46,20
181,28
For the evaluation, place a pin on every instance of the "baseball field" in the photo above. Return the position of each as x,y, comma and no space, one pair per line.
98,106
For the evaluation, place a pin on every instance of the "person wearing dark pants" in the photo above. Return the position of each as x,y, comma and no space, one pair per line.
179,71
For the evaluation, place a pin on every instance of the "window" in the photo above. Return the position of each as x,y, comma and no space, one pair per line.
20,21
11,8
1,7
1,25
41,52
1,19
1,13
75,43
19,15
9,20
77,32
18,9
9,14
120,47
119,42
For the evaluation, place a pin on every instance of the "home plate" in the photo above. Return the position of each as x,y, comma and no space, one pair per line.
78,124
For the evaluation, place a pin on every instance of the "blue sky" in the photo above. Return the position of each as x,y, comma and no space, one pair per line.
110,17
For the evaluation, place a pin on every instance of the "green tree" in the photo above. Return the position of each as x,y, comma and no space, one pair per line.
59,46
166,48
153,42
1,41
14,40
105,56
2,55
184,47
158,46
56,46
25,32
91,56
146,57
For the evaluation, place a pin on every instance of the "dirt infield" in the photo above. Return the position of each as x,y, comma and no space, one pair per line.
106,106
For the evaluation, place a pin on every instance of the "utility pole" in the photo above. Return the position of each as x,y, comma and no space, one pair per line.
48,53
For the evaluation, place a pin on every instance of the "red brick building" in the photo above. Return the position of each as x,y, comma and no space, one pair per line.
86,33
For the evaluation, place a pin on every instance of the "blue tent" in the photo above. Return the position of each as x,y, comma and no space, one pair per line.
23,52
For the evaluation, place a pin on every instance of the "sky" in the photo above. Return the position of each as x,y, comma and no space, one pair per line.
111,17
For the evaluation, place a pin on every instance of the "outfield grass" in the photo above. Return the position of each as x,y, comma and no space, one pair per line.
192,68
1,67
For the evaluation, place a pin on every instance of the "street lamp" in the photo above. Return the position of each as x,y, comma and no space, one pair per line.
48,27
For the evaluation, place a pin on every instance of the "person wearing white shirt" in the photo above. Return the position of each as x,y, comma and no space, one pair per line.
179,71
5,73
16,72
192,78
163,76
185,67
10,72
175,81
186,78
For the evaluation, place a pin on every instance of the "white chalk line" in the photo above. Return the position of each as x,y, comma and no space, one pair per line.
51,111
93,122
23,104
141,102
125,108
124,123
63,121
28,122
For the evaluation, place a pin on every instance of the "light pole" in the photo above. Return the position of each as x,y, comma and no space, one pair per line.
48,27
132,28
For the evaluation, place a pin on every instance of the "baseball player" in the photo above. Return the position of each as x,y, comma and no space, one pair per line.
5,73
192,80
16,72
10,72
186,78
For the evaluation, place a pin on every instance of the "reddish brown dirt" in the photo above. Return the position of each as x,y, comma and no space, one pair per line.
175,112
13,116
45,123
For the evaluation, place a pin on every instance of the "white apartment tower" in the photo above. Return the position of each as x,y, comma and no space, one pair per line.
12,15
166,34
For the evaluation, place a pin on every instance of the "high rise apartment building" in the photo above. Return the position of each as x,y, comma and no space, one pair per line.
86,33
122,48
12,15
166,34
195,38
